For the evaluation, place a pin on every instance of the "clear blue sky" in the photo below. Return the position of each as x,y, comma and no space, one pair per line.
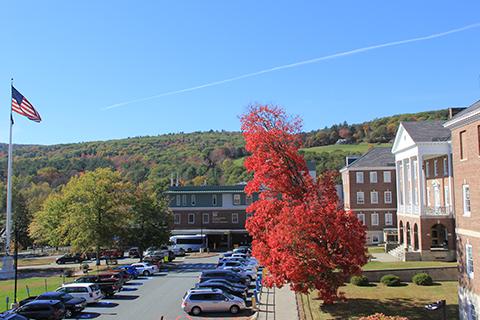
72,59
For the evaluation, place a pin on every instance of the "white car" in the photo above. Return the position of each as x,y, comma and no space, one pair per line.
247,261
89,291
242,272
145,269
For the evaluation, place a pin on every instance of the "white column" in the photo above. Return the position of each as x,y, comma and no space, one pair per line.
450,183
420,184
410,167
405,182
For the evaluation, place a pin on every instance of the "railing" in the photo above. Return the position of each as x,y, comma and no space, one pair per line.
438,211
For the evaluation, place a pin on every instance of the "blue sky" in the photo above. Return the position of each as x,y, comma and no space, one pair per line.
72,59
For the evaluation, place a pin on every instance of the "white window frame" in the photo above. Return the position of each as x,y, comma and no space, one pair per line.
466,197
446,195
237,199
361,218
359,177
388,219
362,197
427,169
372,193
191,215
214,200
248,200
387,176
178,200
184,200
177,218
429,202
234,217
445,167
469,260
205,221
435,168
193,200
387,199
373,177
373,238
374,217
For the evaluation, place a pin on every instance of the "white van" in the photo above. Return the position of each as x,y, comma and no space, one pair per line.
89,291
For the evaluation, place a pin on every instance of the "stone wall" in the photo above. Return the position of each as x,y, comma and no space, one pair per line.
437,273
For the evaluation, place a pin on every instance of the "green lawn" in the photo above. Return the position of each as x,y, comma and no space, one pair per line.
377,265
408,301
376,249
36,286
354,148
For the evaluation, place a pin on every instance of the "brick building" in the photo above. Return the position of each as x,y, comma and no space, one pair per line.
215,211
369,190
426,222
465,132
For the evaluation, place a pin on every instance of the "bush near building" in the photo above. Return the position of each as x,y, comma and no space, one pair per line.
422,279
381,316
360,281
390,280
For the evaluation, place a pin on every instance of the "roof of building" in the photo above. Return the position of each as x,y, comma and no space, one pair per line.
207,188
375,157
469,112
427,131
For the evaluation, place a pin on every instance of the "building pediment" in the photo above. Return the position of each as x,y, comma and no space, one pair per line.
402,141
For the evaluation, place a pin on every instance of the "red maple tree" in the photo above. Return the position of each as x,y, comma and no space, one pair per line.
299,231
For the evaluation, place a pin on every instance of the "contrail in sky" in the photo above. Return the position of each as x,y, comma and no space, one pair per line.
297,64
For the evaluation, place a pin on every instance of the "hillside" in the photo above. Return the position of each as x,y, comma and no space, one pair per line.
213,157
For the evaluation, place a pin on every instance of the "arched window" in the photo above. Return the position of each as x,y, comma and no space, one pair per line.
409,236
401,232
415,237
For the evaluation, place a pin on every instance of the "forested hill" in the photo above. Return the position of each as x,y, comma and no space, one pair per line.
201,157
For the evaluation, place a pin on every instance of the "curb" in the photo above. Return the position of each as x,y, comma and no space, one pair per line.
201,257
254,316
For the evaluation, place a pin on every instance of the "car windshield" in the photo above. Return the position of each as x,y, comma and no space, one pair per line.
228,295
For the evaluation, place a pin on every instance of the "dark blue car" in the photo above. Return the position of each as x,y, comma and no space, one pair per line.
132,271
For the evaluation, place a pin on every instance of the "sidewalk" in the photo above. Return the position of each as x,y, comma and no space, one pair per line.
277,304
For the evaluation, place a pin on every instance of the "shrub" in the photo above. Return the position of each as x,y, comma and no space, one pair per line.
68,272
422,279
360,281
390,280
381,316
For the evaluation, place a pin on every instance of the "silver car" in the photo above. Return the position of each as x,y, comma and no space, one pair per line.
197,301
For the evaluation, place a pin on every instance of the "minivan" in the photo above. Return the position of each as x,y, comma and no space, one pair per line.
196,301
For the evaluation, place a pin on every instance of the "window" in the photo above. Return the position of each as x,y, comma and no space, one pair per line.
205,218
445,167
466,200
360,197
462,142
191,218
387,176
429,203
236,199
373,197
361,217
388,219
359,177
387,196
375,239
214,199
178,200
373,177
249,200
193,200
446,191
427,169
176,218
184,200
374,219
435,168
234,217
469,260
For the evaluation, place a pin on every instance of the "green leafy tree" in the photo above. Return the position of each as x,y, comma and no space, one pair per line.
21,219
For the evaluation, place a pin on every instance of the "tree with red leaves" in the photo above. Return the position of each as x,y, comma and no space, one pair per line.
300,234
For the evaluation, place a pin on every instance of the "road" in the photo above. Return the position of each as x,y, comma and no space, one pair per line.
150,298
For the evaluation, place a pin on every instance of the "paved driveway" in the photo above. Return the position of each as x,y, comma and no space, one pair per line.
150,298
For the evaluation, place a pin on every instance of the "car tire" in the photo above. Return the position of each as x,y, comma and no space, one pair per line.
68,313
146,273
196,311
234,309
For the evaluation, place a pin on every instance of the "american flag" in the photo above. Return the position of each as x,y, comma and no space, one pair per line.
21,106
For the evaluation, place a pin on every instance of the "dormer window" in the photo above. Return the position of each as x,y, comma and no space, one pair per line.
214,199
236,199
193,200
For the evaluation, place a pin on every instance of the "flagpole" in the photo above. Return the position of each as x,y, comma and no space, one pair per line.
7,267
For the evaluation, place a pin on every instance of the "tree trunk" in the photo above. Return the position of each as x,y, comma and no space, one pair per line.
97,249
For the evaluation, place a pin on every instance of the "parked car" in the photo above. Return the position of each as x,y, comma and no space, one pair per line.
197,301
108,285
149,251
224,274
133,252
42,310
89,291
171,253
70,258
72,305
247,261
236,263
112,253
252,275
145,268
156,257
227,254
224,287
9,315
243,249
130,270
229,283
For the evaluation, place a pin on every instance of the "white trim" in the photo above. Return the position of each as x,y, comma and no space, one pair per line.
464,200
366,168
207,231
236,208
458,122
468,233
373,209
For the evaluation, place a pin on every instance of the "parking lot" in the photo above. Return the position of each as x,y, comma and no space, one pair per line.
158,295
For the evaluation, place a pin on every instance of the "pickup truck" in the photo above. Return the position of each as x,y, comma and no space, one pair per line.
108,285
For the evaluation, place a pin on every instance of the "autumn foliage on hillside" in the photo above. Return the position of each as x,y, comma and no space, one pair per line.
299,232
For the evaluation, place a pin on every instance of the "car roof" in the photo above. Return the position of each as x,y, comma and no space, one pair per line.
77,284
205,290
49,302
52,294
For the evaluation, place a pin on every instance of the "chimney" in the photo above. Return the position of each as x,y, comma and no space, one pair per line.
453,111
